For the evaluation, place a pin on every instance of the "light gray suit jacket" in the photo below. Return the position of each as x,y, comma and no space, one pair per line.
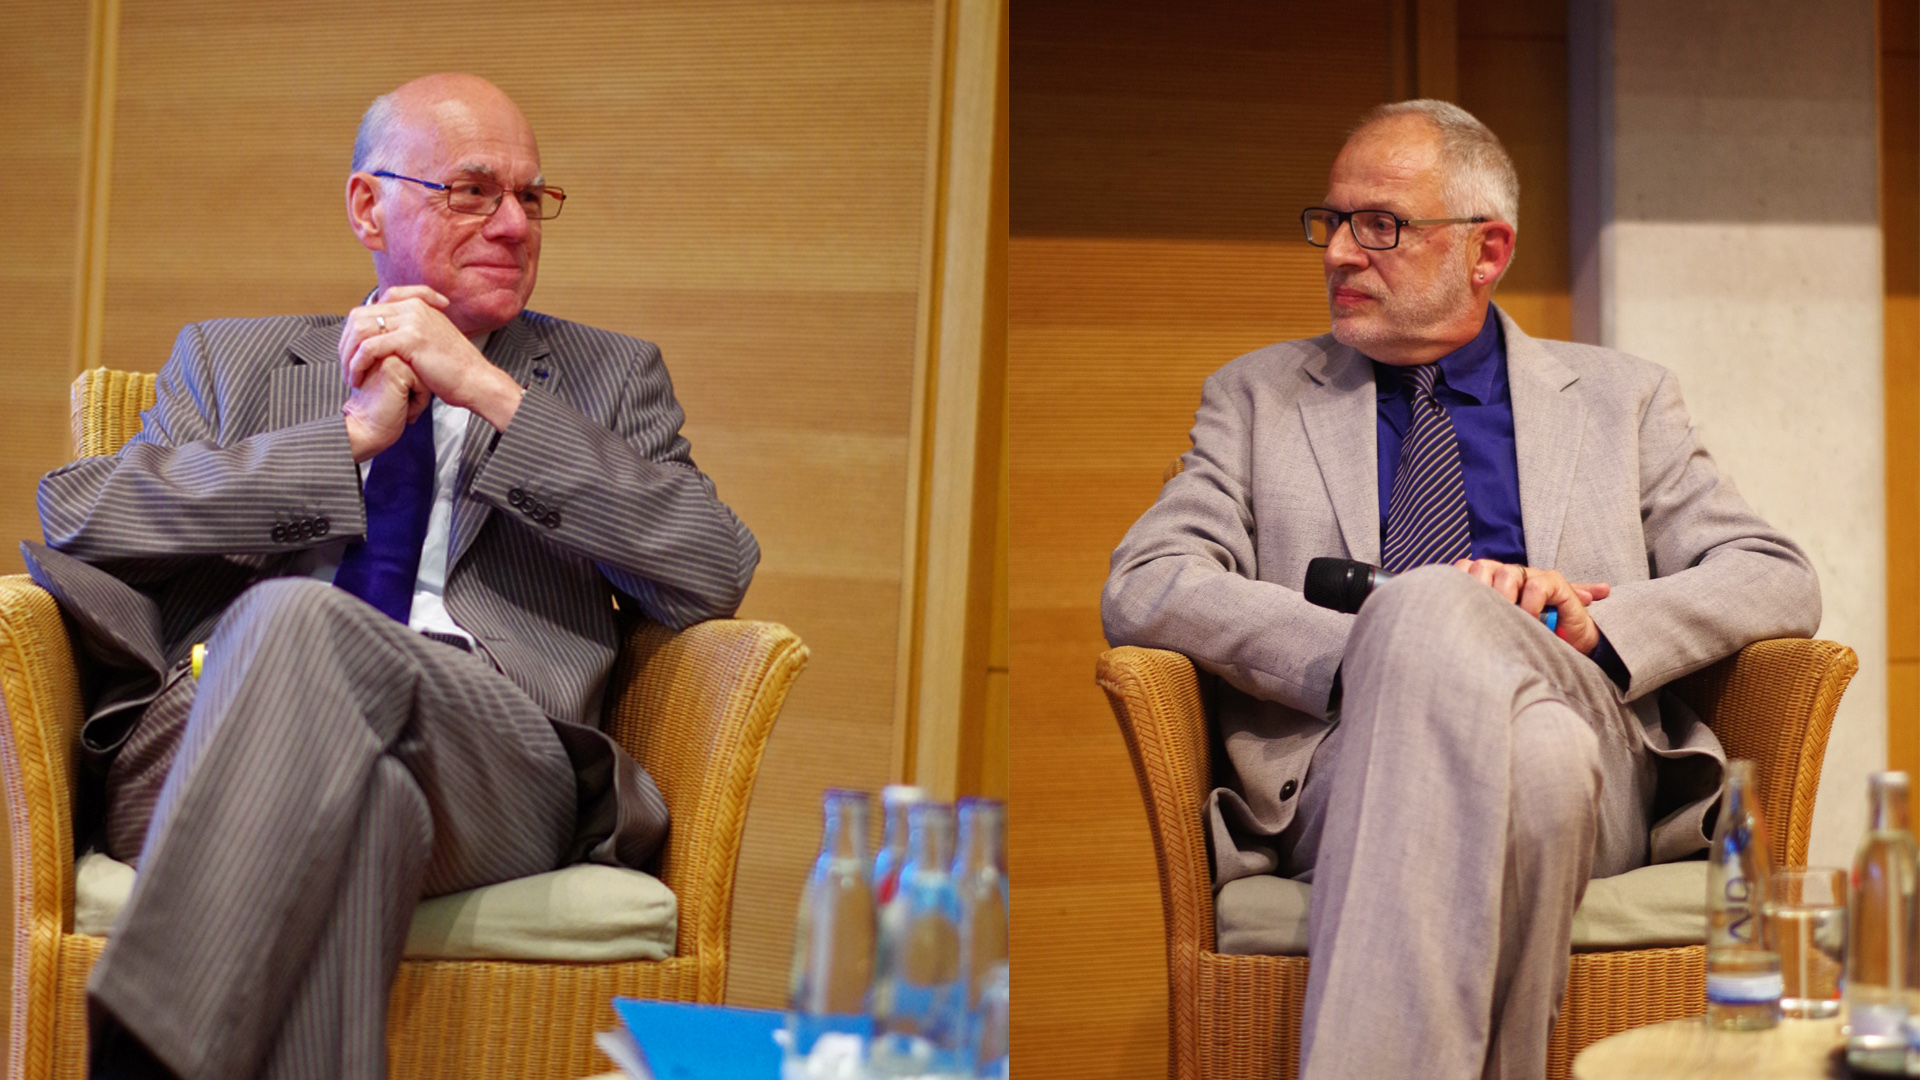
242,465
1614,487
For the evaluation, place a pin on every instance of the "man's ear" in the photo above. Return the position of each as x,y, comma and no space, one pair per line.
1492,250
364,212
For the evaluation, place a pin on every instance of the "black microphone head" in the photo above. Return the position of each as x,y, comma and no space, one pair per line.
1342,584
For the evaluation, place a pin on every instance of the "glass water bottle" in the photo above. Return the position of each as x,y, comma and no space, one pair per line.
920,1008
833,948
979,872
1743,974
895,802
1879,929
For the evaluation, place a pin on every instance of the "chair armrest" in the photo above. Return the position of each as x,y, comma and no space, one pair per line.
695,709
40,714
106,408
1155,696
1773,702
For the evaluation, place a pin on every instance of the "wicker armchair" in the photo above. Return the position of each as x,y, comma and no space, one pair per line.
1239,1016
694,707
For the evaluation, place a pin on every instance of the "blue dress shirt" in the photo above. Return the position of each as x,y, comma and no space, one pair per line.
1472,387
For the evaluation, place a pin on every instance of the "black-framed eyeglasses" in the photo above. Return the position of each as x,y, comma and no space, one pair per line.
481,197
1375,230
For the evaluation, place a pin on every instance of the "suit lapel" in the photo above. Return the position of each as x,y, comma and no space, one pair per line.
309,386
514,349
1339,415
1547,425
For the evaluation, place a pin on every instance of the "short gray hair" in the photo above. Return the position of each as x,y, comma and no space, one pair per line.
1479,179
375,127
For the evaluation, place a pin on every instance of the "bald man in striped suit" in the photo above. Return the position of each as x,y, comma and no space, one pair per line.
400,535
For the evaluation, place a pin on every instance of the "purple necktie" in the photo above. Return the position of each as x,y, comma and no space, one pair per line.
399,494
1427,513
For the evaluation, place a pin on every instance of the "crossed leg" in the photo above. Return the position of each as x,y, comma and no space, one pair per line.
1480,772
334,769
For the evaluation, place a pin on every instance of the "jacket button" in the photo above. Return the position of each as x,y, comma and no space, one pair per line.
516,497
552,520
321,526
279,534
1287,789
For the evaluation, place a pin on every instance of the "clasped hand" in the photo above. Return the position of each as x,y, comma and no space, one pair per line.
1536,590
394,371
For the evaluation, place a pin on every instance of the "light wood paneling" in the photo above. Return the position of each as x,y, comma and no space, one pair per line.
43,61
946,642
749,188
1160,155
1899,112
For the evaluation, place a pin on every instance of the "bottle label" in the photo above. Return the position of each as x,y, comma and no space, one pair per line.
1744,989
1875,1020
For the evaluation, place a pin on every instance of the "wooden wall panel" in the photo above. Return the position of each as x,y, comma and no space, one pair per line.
748,188
1513,76
43,62
1899,109
43,69
1160,155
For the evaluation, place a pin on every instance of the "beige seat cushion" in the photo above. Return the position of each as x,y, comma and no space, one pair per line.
582,914
1651,906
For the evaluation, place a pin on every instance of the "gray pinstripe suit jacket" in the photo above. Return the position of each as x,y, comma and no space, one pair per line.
1614,486
243,464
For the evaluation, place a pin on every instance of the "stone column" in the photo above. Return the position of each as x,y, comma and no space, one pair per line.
1725,224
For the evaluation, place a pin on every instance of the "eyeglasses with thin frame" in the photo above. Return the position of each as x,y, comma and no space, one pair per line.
1375,230
482,197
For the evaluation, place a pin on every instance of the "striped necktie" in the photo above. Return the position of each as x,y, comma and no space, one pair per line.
1427,515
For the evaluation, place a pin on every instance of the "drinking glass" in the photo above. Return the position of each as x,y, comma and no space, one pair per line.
1805,919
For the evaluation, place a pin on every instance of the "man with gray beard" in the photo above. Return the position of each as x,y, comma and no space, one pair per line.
1446,769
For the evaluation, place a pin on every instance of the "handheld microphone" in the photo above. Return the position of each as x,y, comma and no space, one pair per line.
1345,584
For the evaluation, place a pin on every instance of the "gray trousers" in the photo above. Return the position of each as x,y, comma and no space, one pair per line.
334,768
1481,771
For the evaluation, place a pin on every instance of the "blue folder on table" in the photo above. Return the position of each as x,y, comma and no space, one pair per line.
682,1041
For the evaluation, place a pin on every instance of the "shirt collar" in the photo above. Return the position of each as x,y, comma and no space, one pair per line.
1473,369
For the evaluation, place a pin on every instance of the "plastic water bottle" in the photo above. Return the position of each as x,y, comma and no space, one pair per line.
1879,929
1743,974
833,948
920,1004
979,873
